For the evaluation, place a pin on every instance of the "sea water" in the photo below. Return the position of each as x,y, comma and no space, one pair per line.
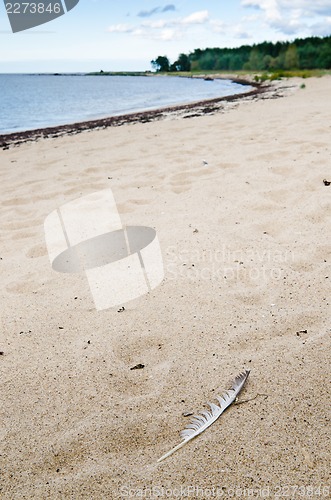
37,101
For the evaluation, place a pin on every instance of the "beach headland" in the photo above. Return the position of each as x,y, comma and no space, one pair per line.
91,399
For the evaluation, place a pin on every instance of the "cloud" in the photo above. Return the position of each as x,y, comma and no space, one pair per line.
231,31
160,24
285,7
322,29
168,35
313,7
199,17
168,8
293,17
289,27
148,13
218,26
269,7
120,28
240,33
258,4
162,29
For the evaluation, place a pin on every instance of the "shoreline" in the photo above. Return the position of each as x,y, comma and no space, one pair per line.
206,106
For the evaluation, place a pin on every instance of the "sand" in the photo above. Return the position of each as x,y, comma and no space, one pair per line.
243,218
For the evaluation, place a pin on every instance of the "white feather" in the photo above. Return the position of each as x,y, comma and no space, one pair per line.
204,419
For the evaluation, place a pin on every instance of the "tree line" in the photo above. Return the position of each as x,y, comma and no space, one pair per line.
302,53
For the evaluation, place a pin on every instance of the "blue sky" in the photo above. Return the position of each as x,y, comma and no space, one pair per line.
126,35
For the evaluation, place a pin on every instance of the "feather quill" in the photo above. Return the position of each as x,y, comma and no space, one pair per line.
204,419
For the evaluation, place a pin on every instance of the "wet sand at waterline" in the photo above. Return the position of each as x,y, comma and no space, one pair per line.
242,215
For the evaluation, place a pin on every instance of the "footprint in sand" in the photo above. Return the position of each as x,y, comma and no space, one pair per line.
22,287
148,353
130,205
22,235
182,181
16,202
36,251
24,224
80,189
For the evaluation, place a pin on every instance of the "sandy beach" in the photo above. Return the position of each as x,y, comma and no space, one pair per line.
243,216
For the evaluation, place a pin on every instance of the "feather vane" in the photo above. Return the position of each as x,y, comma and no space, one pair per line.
199,423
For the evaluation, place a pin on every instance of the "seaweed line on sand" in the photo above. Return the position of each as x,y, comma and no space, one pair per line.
200,108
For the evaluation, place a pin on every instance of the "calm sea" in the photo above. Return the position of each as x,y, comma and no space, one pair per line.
37,101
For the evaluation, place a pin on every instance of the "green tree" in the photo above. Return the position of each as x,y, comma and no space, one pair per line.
302,53
222,61
207,60
291,57
324,57
161,64
195,65
308,56
182,64
255,61
236,62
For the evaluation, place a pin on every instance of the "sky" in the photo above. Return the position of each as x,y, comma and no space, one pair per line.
126,35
